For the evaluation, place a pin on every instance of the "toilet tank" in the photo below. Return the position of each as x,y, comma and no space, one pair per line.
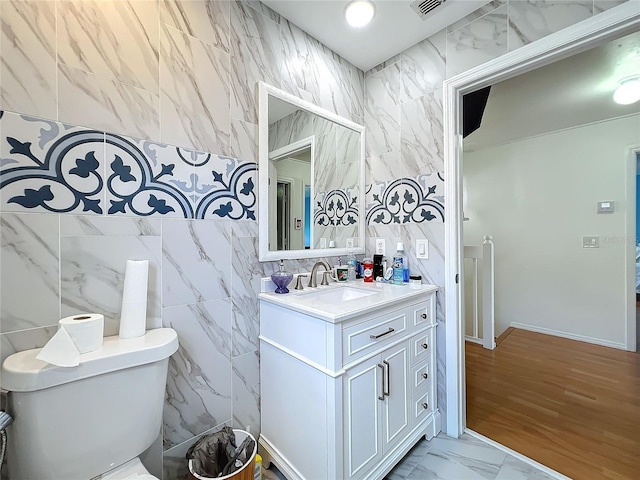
79,422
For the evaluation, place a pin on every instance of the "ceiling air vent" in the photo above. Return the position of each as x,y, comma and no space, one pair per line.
424,7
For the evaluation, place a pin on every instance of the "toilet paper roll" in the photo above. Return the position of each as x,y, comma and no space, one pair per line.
133,317
76,335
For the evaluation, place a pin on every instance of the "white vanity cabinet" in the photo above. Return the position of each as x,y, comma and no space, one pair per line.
345,395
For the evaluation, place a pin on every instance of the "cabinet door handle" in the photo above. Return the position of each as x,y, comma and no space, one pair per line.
375,337
383,380
425,375
425,406
424,315
425,346
388,379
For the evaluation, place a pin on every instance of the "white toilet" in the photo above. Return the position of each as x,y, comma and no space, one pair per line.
92,420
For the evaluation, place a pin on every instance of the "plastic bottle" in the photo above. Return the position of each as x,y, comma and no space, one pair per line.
351,264
367,264
257,475
400,265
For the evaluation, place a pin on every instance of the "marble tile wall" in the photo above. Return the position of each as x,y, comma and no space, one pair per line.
403,115
129,130
129,99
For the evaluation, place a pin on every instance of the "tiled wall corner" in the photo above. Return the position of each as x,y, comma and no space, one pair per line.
199,390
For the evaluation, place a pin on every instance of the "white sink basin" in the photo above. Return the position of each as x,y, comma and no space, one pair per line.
338,301
338,294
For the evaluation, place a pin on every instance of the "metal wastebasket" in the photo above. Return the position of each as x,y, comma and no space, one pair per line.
248,469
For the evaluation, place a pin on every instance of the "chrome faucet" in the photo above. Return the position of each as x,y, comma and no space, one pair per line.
314,271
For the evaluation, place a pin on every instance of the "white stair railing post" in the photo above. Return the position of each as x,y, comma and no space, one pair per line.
488,297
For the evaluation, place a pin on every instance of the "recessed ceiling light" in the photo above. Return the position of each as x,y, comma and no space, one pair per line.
359,13
629,91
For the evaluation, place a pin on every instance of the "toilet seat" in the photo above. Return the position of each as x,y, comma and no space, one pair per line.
132,470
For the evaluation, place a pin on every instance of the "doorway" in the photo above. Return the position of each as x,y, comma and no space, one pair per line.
616,23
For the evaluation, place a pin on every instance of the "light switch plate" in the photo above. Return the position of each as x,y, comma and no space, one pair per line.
323,243
591,241
422,248
380,246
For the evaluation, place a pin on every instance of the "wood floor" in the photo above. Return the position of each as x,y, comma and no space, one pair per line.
572,406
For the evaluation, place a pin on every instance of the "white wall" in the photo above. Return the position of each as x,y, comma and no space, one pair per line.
538,197
300,172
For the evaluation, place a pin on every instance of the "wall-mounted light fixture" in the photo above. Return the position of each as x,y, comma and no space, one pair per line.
629,90
359,12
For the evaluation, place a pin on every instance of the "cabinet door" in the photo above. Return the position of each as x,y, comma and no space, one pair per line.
362,418
396,409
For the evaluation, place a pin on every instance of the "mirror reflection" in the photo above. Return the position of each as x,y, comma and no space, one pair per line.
314,179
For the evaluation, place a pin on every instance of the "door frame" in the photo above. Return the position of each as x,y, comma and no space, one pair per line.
614,23
630,241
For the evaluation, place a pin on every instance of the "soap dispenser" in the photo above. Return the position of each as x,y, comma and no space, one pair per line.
281,279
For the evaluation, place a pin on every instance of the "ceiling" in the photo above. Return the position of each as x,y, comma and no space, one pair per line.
575,91
394,28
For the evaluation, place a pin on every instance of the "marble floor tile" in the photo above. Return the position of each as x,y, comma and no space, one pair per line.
464,458
514,469
435,465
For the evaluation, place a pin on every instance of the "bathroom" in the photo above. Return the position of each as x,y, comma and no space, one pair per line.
167,74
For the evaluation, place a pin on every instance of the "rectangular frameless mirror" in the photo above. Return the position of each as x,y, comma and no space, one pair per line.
311,169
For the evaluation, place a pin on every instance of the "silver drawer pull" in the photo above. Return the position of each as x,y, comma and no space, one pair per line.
387,391
425,406
424,315
425,375
375,337
383,382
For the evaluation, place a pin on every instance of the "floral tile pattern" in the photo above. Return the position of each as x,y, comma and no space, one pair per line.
48,166
336,207
406,200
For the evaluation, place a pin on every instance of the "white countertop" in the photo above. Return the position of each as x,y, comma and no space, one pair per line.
386,295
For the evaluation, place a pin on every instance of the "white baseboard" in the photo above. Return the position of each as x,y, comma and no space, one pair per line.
570,336
471,339
519,456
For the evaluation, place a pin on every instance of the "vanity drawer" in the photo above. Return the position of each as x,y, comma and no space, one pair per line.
424,314
422,376
421,407
422,346
359,339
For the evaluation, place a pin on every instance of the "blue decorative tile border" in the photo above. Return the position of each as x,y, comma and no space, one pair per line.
52,167
336,208
406,200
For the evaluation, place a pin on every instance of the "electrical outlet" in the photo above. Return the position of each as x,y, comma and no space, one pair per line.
323,243
350,243
380,246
